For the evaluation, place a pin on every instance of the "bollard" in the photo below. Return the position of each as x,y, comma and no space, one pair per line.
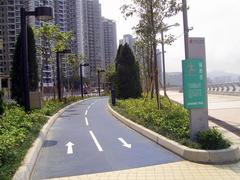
113,95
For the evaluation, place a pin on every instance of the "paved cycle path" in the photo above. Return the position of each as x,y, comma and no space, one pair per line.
87,139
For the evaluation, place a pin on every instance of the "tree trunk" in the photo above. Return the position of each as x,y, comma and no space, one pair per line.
151,73
155,56
148,79
144,72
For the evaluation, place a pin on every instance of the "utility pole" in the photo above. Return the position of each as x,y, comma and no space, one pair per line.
199,114
163,61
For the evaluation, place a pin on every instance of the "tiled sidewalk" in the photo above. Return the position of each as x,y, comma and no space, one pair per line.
173,171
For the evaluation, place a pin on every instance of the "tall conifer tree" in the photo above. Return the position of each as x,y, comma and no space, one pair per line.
127,74
17,69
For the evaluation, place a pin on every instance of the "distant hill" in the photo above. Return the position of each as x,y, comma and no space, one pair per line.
223,77
215,77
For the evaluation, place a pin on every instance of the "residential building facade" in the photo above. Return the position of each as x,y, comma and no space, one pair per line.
60,14
94,36
9,29
128,38
92,39
109,42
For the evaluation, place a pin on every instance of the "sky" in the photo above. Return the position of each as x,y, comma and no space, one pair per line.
215,20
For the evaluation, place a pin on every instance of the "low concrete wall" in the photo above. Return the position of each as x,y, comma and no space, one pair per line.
223,156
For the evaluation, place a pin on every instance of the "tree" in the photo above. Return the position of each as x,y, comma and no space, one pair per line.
138,80
127,74
17,70
52,40
74,61
142,55
110,75
152,15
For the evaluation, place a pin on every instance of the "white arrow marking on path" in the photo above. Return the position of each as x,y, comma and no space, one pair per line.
125,143
69,147
96,141
86,121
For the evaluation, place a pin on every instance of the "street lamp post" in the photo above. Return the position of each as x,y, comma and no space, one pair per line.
59,83
81,77
44,14
98,74
163,56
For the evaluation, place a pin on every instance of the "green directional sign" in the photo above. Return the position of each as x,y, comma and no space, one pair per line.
194,84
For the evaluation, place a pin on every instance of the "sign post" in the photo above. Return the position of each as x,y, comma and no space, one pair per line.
195,86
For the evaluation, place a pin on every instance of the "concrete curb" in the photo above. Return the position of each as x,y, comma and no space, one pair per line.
25,170
224,156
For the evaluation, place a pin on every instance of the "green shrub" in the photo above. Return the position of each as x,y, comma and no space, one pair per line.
1,102
172,121
18,130
50,107
212,139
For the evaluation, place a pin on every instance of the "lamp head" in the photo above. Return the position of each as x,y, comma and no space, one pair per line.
44,13
176,24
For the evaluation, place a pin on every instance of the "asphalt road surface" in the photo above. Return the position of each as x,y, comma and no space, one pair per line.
87,139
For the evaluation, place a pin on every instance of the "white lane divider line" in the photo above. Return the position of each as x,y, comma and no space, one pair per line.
90,107
96,141
86,112
86,120
69,147
93,103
